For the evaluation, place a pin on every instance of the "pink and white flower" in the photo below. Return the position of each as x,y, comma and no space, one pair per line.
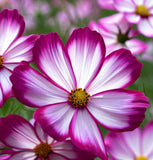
32,143
80,87
13,49
139,12
134,145
118,33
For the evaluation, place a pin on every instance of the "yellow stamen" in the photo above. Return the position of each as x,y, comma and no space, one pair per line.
79,98
42,150
1,62
142,11
141,158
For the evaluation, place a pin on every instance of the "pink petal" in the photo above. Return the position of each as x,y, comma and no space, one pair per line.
151,12
147,145
17,133
85,133
138,2
151,20
52,59
145,27
150,156
5,86
120,69
119,110
148,3
11,27
40,132
70,151
124,5
33,89
136,46
114,23
109,4
106,32
55,119
86,49
133,18
99,28
27,155
117,147
133,140
113,47
4,157
20,50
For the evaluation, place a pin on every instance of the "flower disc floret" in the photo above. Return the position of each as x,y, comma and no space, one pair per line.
1,61
141,158
142,11
42,150
79,97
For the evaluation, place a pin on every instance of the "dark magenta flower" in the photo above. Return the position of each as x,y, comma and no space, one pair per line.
80,87
32,143
13,49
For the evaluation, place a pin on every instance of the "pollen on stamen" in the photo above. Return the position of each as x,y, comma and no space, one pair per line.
142,11
42,150
1,62
79,98
141,158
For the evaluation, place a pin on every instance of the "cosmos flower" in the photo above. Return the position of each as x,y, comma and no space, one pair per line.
139,12
118,33
134,145
32,143
80,87
13,49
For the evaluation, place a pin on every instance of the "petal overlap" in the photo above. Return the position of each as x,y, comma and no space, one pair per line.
5,85
120,69
52,59
20,50
18,133
55,119
34,89
86,135
119,110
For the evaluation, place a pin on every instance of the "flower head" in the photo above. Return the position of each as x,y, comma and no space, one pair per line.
31,142
13,49
134,145
118,33
80,87
138,12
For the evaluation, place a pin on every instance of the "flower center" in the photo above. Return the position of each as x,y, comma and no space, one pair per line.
122,38
1,62
42,150
142,11
79,98
141,158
